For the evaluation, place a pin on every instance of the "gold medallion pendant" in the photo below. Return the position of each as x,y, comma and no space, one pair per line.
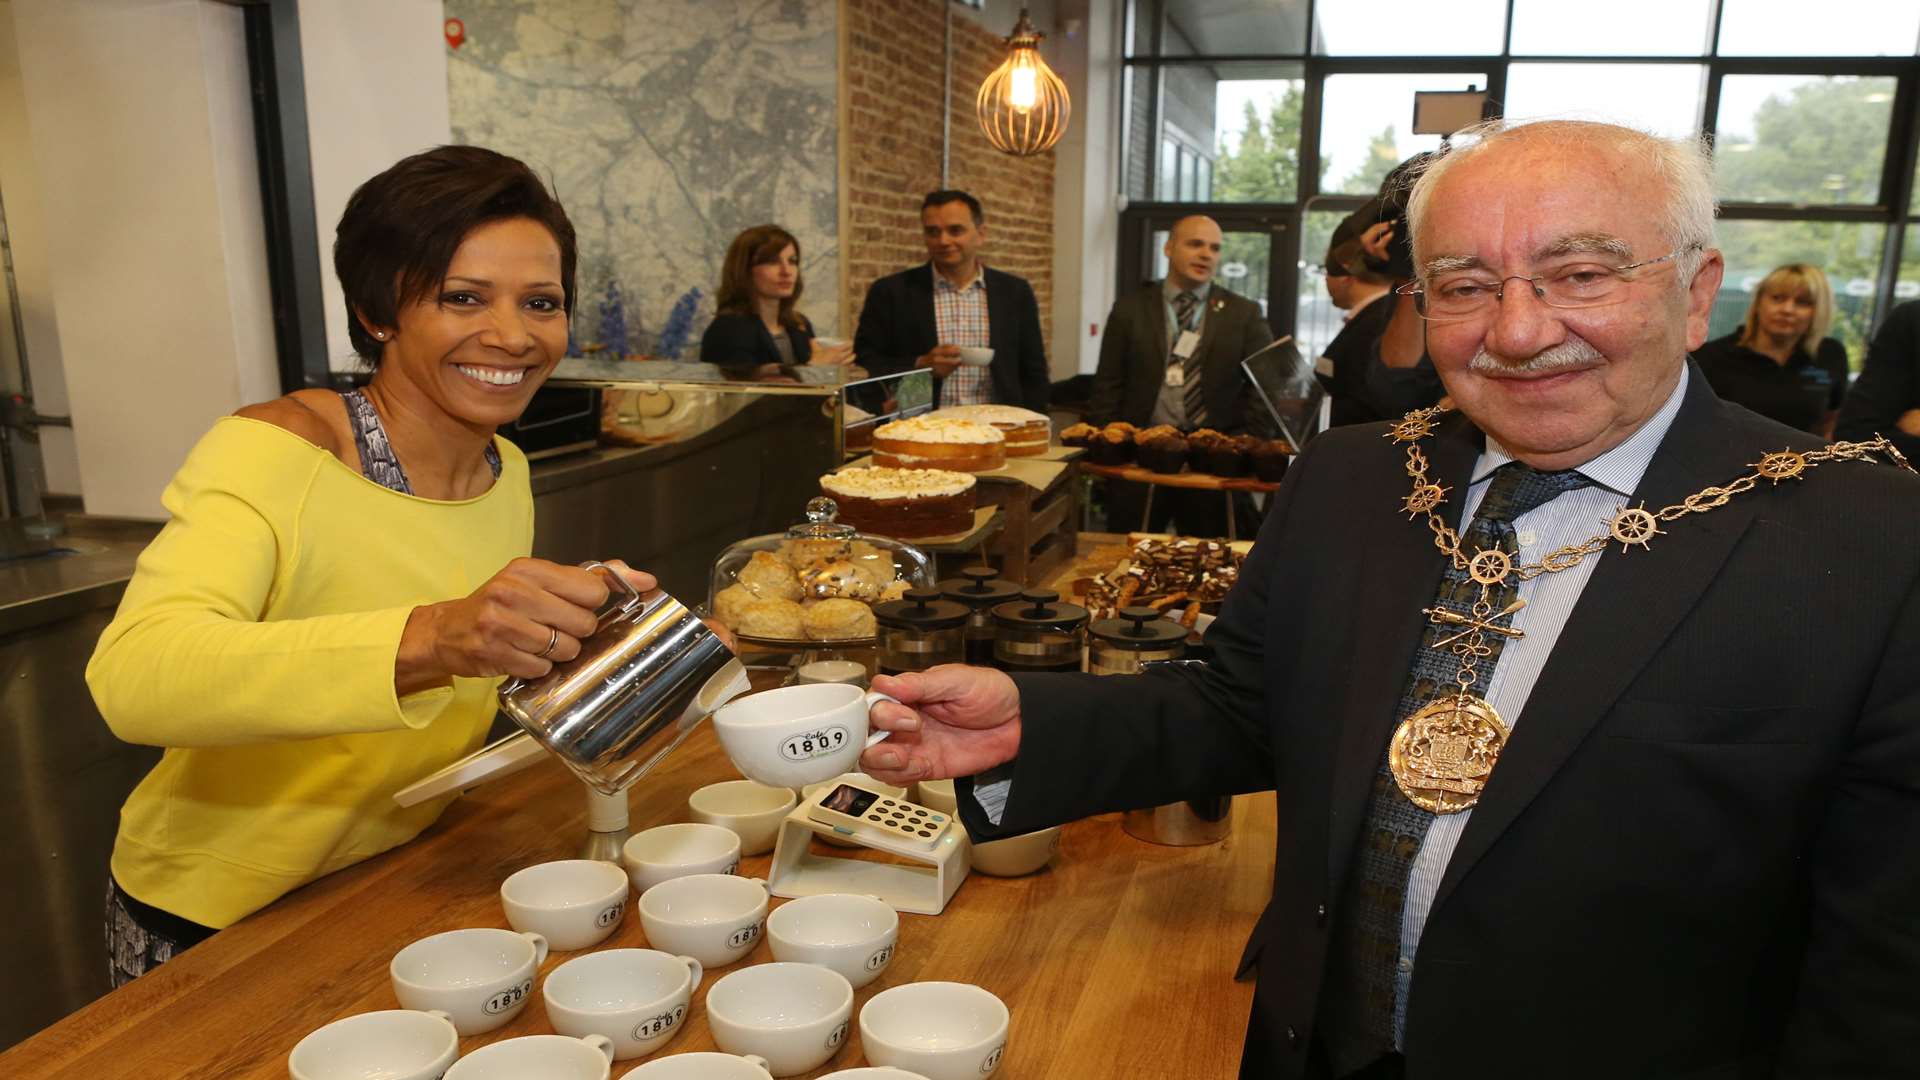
1442,755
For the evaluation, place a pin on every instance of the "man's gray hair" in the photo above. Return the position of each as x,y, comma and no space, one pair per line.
1683,164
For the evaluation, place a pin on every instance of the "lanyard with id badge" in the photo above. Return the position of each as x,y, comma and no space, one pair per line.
1183,349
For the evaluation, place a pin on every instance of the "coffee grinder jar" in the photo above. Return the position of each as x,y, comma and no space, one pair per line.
1038,633
920,631
979,591
1139,636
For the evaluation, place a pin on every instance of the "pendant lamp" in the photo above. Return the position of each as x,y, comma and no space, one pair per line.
1023,105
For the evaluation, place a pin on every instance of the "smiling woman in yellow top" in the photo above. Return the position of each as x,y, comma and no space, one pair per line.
344,578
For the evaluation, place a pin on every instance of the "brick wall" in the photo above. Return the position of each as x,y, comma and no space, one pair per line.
894,72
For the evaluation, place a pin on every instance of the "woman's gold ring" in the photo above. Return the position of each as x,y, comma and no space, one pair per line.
551,641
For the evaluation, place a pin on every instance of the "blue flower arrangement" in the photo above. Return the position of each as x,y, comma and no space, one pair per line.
679,328
613,320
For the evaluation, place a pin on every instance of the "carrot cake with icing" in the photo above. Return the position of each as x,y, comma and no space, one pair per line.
927,443
1025,431
903,503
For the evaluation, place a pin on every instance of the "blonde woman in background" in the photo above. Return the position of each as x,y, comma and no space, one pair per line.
1780,362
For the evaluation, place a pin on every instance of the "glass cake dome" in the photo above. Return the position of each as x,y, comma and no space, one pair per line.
814,585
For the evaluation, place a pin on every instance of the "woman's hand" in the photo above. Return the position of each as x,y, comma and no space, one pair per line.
952,720
834,355
526,618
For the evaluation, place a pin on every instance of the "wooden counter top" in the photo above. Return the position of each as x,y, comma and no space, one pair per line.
1116,961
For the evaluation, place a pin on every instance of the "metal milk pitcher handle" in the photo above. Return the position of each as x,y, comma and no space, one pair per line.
622,600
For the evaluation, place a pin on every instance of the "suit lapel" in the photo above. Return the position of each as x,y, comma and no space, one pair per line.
926,327
1629,607
1153,359
1402,571
999,322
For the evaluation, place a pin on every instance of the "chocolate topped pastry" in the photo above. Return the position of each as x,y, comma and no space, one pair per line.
1113,446
1271,458
1223,455
1163,453
1078,435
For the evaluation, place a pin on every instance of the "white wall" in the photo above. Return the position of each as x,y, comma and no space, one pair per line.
376,73
123,98
1084,50
26,229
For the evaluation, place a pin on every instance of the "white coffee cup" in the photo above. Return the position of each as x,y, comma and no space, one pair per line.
853,935
638,998
942,1030
480,978
403,1044
793,1015
549,1057
714,918
873,1072
1016,855
671,851
937,795
704,1065
975,355
573,903
751,810
851,672
861,780
797,735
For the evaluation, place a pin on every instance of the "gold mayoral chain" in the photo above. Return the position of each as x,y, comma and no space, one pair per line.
1442,755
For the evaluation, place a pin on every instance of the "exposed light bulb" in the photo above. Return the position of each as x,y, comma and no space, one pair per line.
1023,89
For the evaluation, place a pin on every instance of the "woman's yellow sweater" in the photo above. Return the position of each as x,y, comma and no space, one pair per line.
256,643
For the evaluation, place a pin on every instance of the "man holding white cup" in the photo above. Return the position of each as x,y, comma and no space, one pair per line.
976,328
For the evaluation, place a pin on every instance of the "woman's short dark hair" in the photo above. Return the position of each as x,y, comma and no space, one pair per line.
757,246
401,228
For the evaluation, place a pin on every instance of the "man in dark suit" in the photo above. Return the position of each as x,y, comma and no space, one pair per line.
923,317
1171,355
1885,399
1583,790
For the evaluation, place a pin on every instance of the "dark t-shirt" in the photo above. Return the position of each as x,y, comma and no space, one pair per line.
1798,393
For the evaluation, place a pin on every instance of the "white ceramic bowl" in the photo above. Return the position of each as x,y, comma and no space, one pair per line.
573,903
402,1044
853,935
857,779
671,851
714,918
704,1065
549,1057
975,355
937,795
481,978
752,811
1016,855
637,998
873,1072
941,1030
793,1015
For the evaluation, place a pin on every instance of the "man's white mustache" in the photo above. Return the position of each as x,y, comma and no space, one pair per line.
1571,353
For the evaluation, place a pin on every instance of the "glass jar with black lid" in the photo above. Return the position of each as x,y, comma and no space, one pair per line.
920,631
979,591
1038,633
1139,636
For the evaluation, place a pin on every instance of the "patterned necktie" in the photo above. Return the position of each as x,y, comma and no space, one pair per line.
1184,308
1358,1001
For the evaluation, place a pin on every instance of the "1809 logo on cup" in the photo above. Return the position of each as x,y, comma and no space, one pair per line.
812,744
656,1026
743,937
611,915
507,999
839,1035
879,960
993,1059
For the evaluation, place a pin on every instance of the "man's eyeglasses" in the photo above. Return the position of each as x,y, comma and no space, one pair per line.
1466,294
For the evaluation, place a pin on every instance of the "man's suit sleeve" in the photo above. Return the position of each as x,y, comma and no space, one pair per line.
1885,388
1858,1008
875,341
1035,381
1110,375
1092,744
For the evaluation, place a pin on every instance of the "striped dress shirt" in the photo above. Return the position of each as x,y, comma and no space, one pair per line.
960,318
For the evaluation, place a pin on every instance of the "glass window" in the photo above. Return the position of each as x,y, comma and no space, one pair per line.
1242,124
1662,98
1189,175
1220,27
1808,139
1908,287
1167,182
1317,320
1410,28
1245,263
1206,180
1849,252
1833,28
1366,126
1616,28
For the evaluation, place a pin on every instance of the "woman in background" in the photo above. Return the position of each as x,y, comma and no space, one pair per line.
758,332
1780,362
344,578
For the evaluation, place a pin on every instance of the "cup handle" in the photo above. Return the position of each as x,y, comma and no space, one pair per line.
695,970
756,1059
875,697
448,1017
539,946
600,1043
